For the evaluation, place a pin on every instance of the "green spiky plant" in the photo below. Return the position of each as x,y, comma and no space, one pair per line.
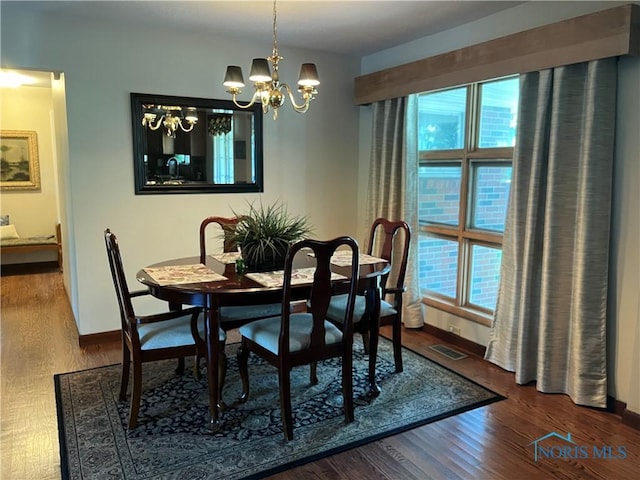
265,233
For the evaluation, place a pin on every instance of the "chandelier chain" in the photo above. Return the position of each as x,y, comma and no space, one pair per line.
275,30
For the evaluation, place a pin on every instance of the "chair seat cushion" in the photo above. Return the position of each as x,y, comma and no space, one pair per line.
249,312
266,332
171,333
338,305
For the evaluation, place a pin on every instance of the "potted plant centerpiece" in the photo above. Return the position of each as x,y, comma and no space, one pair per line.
265,233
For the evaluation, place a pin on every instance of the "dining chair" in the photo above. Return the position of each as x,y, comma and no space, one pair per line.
224,224
385,237
232,316
165,335
293,339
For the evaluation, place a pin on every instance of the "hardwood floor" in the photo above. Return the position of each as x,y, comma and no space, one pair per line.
39,338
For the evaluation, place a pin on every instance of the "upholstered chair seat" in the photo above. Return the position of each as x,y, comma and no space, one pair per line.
338,305
172,333
265,332
238,315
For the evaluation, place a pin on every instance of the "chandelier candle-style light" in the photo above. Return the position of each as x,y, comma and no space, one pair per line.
268,89
169,117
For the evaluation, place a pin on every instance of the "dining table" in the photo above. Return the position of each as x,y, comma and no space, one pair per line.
217,283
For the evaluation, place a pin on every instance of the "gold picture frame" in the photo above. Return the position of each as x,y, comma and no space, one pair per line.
19,165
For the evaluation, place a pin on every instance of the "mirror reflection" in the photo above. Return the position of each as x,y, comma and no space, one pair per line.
194,145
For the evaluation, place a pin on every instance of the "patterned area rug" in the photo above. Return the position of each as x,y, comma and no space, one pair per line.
172,440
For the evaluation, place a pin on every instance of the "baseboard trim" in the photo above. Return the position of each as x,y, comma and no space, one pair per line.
28,268
615,406
468,345
631,419
99,338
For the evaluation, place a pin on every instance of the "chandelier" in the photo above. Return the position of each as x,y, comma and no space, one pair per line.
268,89
169,117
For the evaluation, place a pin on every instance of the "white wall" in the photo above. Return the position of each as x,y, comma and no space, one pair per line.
61,149
33,212
624,321
310,160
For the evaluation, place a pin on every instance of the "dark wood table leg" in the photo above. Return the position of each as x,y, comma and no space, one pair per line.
373,300
213,353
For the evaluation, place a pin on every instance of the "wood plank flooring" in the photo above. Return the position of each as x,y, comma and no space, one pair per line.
38,339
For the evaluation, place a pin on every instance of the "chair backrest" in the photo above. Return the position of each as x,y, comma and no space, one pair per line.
119,280
225,224
385,238
321,289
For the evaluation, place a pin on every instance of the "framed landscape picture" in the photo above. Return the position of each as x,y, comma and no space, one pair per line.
19,167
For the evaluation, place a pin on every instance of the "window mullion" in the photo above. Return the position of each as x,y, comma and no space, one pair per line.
445,230
441,155
462,224
483,236
464,183
465,186
473,106
498,154
464,273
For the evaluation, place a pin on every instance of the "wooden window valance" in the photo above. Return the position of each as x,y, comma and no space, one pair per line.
608,33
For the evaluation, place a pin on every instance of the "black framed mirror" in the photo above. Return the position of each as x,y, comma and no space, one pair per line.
195,145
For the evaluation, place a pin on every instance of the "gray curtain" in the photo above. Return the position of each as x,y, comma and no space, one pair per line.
550,319
393,186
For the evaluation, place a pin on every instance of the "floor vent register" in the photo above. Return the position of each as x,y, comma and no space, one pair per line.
448,352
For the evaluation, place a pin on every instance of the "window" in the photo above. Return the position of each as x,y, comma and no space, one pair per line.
465,143
222,147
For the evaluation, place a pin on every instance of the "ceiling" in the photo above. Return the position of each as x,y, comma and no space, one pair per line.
338,26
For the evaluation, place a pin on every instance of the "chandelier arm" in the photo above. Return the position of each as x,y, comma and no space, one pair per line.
298,108
158,124
187,130
234,98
